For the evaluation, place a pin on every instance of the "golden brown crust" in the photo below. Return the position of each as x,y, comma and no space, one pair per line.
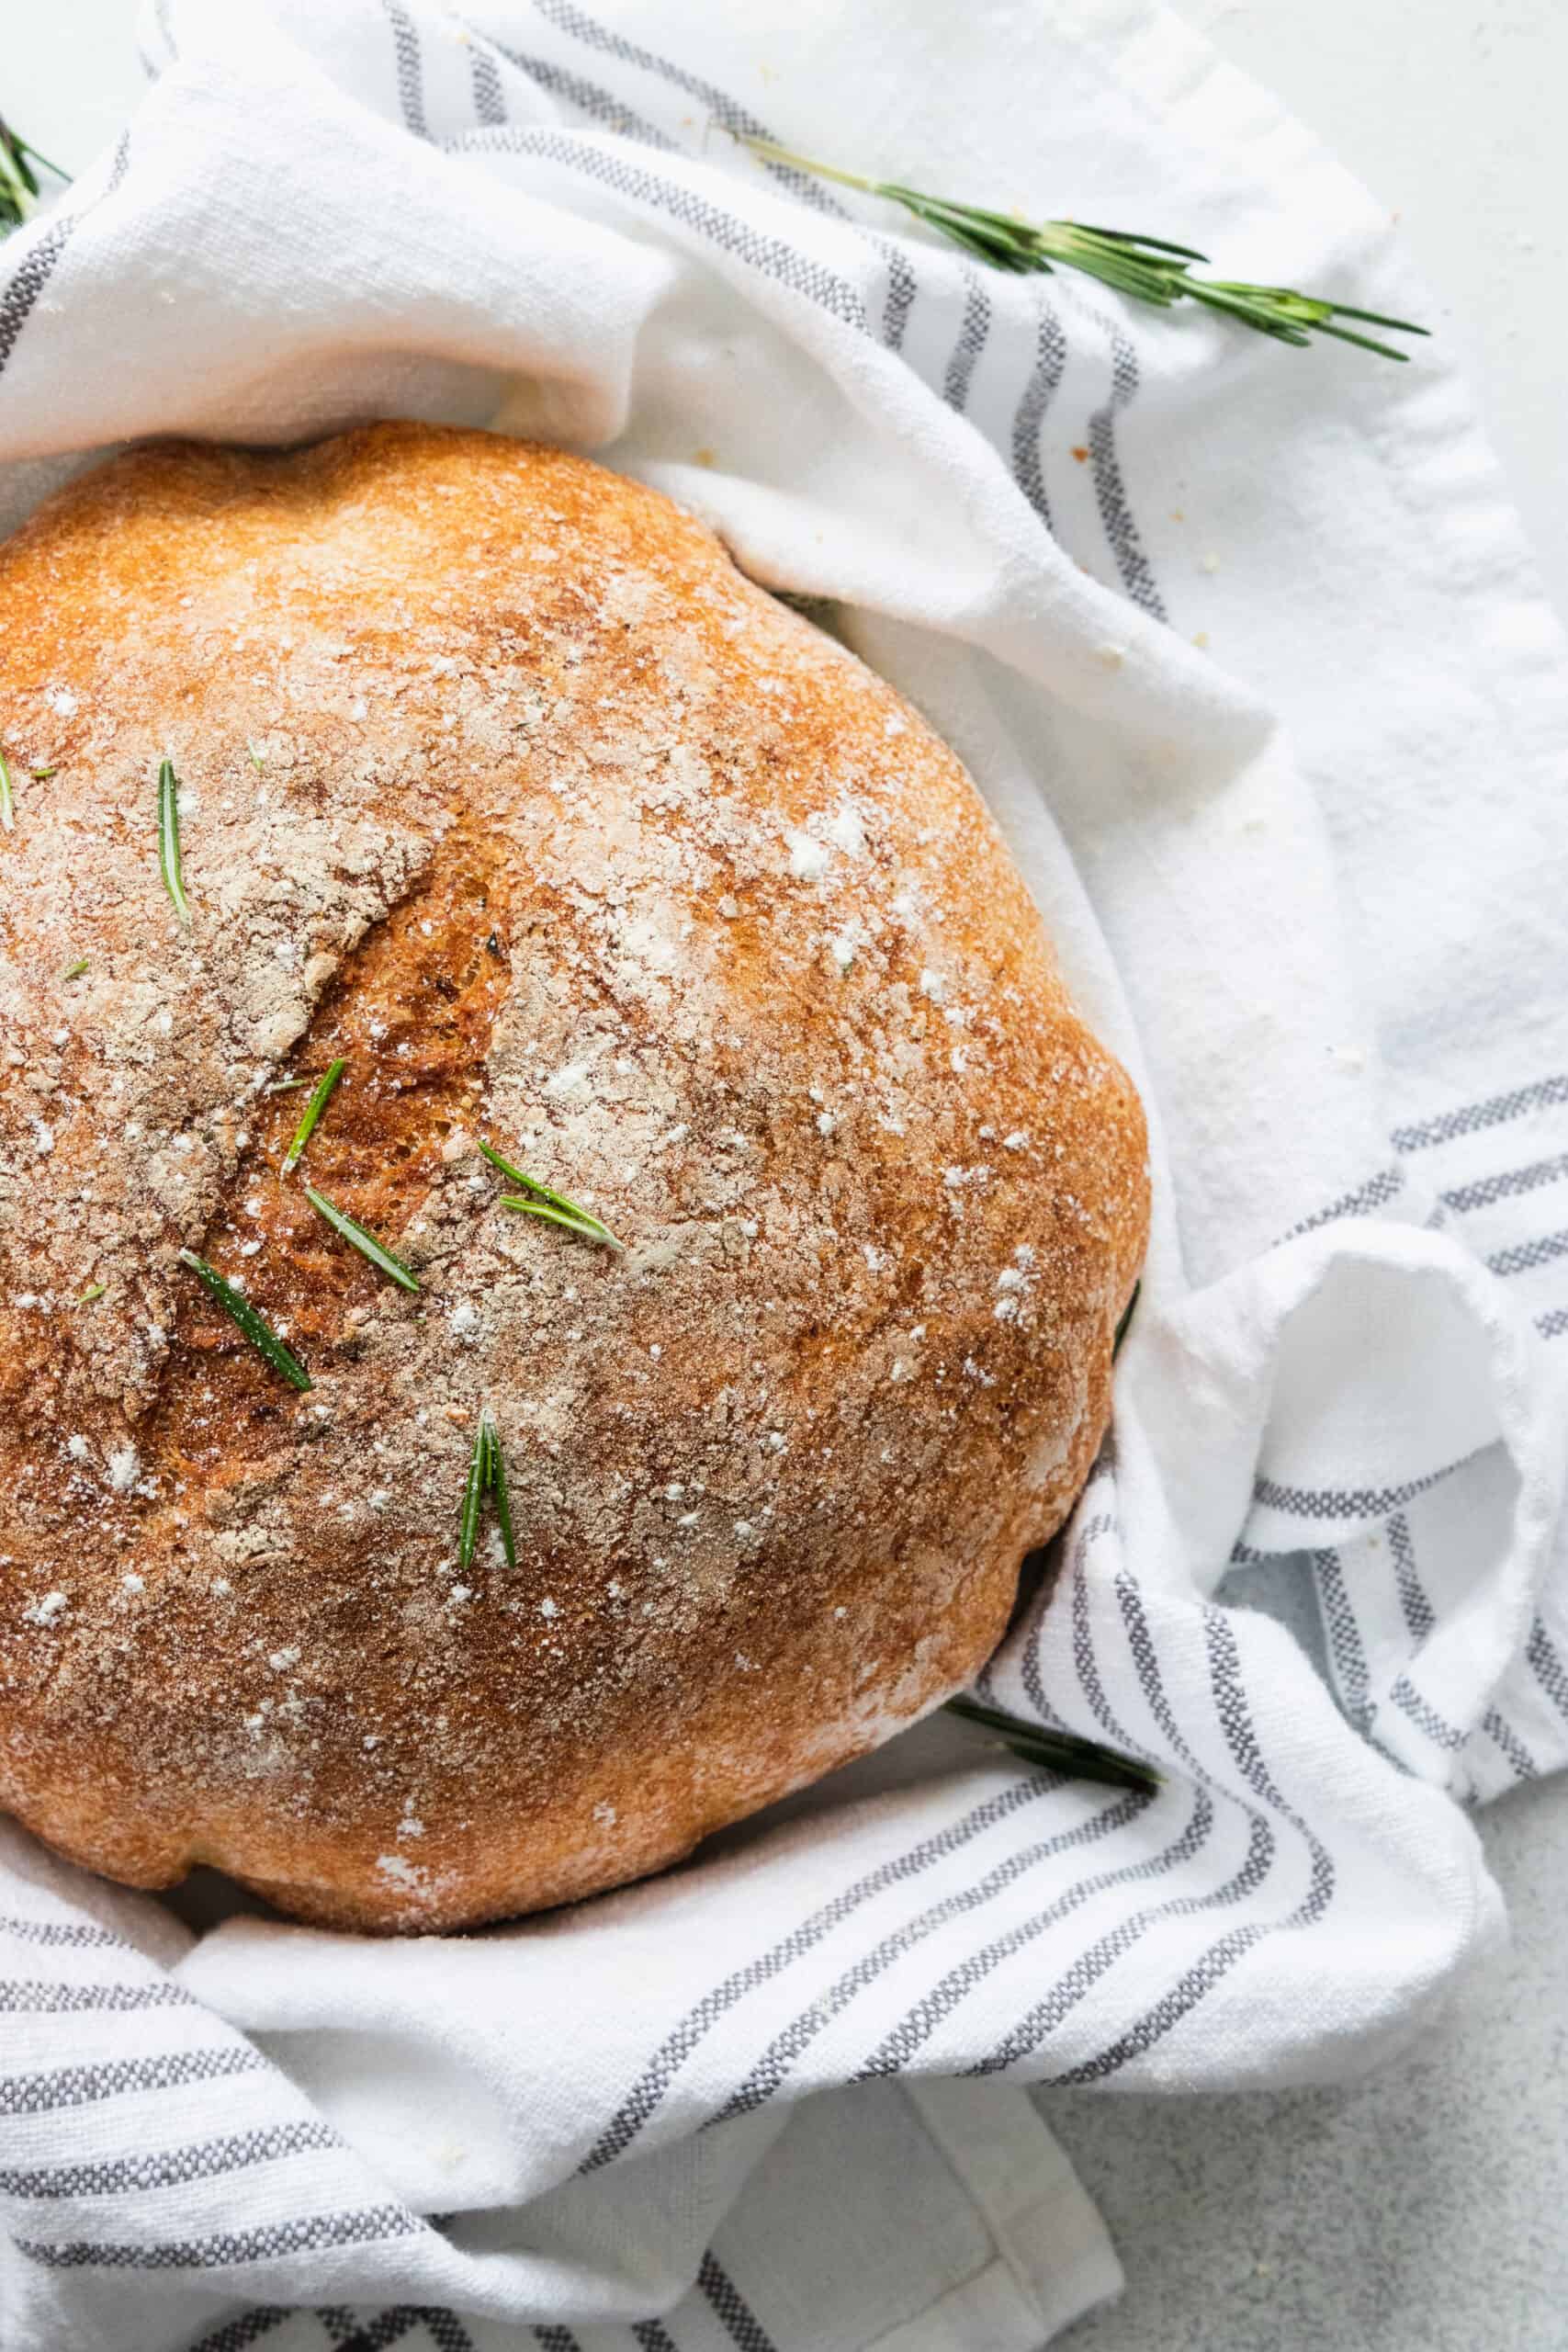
563,833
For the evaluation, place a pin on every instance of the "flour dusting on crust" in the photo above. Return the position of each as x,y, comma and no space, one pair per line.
499,781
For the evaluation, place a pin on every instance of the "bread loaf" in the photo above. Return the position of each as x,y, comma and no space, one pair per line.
497,781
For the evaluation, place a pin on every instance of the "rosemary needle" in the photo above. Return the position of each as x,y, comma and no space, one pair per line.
474,1492
380,1257
314,1109
554,1207
1148,269
7,807
92,1291
587,1229
74,971
257,759
19,181
487,1476
1126,1318
169,839
1057,1751
503,1497
256,1328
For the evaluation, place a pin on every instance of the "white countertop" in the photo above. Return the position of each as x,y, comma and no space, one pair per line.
1422,2210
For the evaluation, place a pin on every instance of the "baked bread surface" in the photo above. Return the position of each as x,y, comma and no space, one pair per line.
499,780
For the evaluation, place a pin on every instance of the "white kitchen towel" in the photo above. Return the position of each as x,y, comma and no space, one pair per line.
1244,649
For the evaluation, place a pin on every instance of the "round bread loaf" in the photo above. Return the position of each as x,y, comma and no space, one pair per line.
497,780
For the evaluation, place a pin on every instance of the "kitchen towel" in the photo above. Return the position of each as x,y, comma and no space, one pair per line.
1244,649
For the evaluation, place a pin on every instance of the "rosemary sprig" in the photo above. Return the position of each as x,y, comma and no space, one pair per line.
1148,269
487,1476
380,1257
314,1109
256,1328
1126,1318
19,181
1057,1751
554,1207
169,863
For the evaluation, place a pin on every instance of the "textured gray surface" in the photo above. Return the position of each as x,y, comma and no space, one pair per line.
1424,2210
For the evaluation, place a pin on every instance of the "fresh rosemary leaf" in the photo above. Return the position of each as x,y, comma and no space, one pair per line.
169,839
1147,269
92,1291
258,760
505,1166
74,971
554,1207
474,1491
19,181
1126,1318
380,1257
256,1328
41,775
1057,1751
487,1476
585,1228
314,1109
287,1085
501,1492
7,807
18,185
